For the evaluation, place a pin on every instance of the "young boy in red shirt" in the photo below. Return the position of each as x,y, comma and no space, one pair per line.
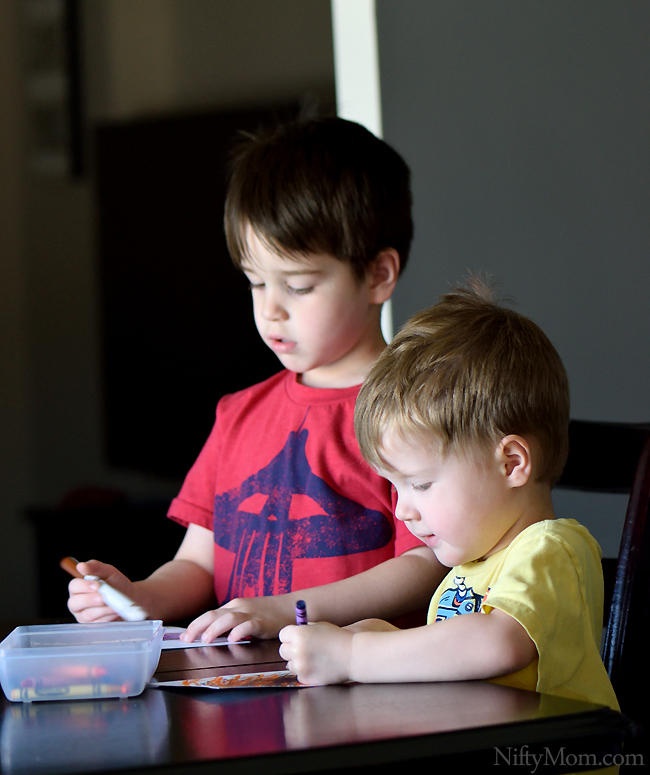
280,505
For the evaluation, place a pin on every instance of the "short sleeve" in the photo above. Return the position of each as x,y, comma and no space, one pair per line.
194,504
553,588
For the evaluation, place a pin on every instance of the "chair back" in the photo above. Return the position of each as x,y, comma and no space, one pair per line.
626,642
615,458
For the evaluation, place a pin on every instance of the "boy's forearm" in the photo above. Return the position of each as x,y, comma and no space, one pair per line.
178,589
468,647
398,586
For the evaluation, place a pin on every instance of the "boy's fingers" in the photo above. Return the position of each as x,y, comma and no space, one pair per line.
245,630
105,571
82,587
90,611
287,632
108,573
193,631
229,622
200,626
87,605
240,624
82,602
92,568
85,602
289,645
111,616
98,615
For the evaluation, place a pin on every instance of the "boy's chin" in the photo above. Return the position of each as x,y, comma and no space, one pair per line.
449,559
290,364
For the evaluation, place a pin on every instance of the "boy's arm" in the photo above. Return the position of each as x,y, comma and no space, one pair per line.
397,586
178,588
466,647
184,585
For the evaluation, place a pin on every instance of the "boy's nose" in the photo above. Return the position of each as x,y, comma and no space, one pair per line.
404,512
272,309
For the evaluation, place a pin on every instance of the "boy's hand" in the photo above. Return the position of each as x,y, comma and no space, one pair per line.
318,653
248,617
85,602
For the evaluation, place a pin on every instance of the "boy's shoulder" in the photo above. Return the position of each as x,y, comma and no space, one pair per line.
563,529
566,537
284,387
556,559
266,387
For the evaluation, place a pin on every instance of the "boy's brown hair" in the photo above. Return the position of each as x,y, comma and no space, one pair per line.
468,372
320,186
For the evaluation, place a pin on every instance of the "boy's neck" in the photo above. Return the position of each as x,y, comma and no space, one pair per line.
351,369
536,506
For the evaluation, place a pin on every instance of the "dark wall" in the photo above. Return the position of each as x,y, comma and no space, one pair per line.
177,326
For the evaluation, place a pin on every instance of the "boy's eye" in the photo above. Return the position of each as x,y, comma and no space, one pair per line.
253,286
421,487
300,291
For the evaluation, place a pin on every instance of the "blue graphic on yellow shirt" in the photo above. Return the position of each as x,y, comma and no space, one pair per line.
458,600
285,512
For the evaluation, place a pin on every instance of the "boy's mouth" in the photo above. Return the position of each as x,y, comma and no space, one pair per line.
279,345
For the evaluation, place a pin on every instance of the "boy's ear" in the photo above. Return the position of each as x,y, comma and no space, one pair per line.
382,275
515,460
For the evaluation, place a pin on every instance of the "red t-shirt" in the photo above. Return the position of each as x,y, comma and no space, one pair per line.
282,484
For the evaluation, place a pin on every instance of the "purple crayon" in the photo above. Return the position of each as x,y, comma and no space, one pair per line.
301,612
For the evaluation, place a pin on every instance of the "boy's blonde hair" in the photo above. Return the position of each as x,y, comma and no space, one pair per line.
466,373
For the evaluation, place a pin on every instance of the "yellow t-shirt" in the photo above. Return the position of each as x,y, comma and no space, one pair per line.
550,580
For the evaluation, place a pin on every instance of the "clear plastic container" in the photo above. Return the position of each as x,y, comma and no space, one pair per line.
79,661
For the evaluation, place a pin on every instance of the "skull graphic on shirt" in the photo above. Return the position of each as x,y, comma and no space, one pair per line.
286,512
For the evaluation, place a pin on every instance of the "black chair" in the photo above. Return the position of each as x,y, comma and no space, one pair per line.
626,643
603,456
615,457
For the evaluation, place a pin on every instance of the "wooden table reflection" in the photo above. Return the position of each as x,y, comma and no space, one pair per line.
290,730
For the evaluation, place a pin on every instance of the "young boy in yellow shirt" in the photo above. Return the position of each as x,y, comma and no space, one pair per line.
466,413
280,504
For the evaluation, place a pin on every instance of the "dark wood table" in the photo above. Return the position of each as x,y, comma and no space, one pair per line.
314,729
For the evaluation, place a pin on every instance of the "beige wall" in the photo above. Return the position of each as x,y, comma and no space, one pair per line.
163,55
141,57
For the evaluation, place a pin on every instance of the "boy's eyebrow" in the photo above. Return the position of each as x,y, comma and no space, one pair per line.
286,272
293,272
428,471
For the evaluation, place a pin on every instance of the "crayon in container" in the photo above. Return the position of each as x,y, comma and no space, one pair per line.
79,661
